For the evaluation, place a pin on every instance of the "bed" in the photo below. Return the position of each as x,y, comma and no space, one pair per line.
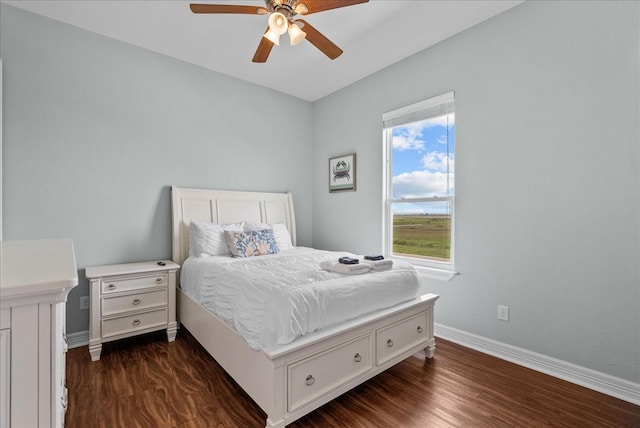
292,379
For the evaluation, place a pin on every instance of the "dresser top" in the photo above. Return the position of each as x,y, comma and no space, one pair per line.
35,267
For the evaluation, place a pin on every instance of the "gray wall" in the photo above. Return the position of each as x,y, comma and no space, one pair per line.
95,132
547,176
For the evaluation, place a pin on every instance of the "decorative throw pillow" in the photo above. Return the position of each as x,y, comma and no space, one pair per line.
251,243
280,232
207,239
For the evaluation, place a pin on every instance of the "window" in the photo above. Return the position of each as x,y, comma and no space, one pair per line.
420,188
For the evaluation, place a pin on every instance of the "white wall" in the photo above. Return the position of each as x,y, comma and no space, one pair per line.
96,131
1,149
547,176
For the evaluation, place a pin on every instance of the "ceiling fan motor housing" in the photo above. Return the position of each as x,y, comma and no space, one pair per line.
288,8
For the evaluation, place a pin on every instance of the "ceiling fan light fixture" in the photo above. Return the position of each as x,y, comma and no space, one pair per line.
301,9
278,23
296,35
272,36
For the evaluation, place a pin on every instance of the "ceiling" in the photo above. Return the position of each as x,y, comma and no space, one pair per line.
373,35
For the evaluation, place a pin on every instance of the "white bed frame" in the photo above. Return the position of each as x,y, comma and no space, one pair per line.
289,381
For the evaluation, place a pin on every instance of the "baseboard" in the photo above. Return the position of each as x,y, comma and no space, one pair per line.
601,382
78,339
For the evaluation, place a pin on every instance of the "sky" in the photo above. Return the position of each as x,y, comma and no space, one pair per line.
421,159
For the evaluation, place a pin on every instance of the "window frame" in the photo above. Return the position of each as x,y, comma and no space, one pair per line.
419,111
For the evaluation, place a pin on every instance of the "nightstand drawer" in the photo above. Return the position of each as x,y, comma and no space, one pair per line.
117,285
133,302
136,322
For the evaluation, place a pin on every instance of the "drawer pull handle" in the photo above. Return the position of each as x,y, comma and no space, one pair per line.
136,322
357,358
111,287
390,343
158,280
419,329
310,380
137,302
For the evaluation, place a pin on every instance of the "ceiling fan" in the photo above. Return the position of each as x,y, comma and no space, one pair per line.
282,15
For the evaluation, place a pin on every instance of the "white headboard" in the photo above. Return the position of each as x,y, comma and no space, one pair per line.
225,206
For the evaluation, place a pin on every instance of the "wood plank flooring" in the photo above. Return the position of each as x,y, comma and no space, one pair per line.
148,382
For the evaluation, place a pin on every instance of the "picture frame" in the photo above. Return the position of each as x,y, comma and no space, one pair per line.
342,173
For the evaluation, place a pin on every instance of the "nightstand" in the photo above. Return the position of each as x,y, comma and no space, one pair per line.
131,299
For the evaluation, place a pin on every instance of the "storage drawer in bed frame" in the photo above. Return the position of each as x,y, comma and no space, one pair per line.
321,374
395,339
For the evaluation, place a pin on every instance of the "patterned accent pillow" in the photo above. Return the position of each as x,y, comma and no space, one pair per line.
282,235
251,243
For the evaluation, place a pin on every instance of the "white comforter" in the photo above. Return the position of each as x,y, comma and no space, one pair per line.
274,299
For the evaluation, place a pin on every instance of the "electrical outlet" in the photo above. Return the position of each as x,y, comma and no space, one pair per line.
503,313
84,302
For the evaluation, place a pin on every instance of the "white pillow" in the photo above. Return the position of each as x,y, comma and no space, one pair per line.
249,226
207,239
283,238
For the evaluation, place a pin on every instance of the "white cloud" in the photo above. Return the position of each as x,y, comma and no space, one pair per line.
421,184
407,142
444,140
437,161
410,138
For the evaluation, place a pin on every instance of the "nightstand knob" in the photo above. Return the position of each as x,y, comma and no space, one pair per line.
136,301
310,380
357,358
111,287
158,280
136,322
419,329
390,343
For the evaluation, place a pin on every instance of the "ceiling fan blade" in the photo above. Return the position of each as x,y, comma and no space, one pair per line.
226,8
317,39
314,6
264,49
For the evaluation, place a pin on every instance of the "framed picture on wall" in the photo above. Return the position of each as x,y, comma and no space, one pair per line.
342,173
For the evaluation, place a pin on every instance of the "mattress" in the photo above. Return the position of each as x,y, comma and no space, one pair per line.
273,299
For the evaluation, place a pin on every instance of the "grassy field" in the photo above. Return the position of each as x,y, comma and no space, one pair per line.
426,236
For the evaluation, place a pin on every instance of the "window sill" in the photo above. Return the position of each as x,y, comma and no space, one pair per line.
428,271
438,274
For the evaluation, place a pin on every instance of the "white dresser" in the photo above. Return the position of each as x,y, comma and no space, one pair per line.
36,277
131,299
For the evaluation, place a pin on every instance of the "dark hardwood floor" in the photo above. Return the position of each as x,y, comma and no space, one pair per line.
148,382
